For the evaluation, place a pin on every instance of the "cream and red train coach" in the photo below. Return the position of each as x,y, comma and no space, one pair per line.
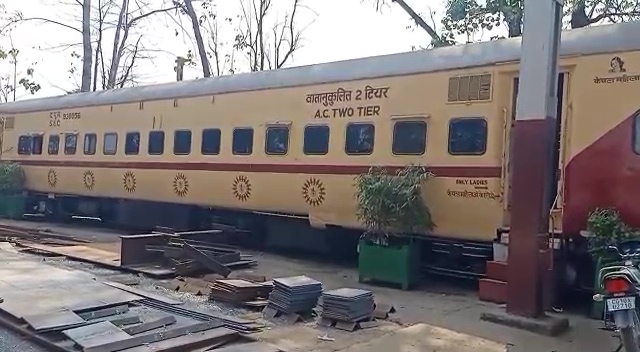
276,151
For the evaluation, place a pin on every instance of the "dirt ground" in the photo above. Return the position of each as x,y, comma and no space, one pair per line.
437,304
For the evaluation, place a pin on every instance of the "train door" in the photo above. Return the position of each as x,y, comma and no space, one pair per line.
555,202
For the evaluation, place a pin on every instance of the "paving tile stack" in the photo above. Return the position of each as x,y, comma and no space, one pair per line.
347,305
295,294
236,291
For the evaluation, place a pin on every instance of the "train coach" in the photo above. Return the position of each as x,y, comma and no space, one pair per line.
277,151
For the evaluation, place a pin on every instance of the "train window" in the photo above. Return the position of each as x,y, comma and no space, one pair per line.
277,140
360,138
210,141
132,143
182,142
24,145
54,144
70,143
409,138
36,144
110,143
316,140
468,136
90,143
242,141
156,142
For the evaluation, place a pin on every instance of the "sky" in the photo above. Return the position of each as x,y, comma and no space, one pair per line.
333,30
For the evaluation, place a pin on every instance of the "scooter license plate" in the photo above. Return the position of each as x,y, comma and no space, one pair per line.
622,303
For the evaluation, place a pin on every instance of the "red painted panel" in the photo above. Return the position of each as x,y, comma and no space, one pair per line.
605,174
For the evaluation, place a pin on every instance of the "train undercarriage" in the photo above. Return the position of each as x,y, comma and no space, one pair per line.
573,268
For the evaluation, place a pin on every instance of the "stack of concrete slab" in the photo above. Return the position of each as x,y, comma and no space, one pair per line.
296,294
348,305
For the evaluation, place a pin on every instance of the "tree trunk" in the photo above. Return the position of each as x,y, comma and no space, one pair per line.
87,55
116,54
579,18
515,27
98,46
204,59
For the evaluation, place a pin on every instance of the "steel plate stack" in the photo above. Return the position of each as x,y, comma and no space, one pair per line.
348,305
295,294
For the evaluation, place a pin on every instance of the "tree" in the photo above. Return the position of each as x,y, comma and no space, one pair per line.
9,82
13,79
187,7
437,40
87,51
265,34
268,41
220,47
470,17
119,17
584,13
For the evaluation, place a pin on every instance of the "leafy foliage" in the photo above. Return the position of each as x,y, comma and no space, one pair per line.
12,178
9,81
391,205
469,17
607,229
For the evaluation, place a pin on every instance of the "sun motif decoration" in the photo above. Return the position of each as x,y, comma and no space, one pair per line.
52,177
241,188
129,181
180,184
313,192
89,179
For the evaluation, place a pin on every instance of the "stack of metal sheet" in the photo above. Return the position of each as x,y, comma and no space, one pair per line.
295,294
347,305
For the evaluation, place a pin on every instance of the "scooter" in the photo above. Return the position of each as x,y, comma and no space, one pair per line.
621,284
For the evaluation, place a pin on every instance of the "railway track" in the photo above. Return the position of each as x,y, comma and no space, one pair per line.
430,266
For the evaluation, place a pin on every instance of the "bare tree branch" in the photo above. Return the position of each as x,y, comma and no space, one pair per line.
267,42
19,19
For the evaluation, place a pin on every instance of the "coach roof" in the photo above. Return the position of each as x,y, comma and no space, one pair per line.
592,40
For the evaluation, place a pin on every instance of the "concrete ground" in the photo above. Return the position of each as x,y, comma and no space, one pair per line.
447,307
437,304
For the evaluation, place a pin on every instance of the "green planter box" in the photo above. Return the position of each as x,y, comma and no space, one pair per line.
12,206
393,264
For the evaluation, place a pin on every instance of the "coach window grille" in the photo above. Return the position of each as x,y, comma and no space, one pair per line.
24,145
182,142
277,140
211,138
316,140
409,138
54,144
360,139
468,136
70,143
132,143
110,143
90,142
242,141
37,139
156,142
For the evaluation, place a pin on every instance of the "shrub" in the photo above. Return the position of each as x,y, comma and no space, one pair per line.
607,229
392,205
12,178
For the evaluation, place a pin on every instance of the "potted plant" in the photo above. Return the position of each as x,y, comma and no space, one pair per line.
392,208
604,228
12,200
